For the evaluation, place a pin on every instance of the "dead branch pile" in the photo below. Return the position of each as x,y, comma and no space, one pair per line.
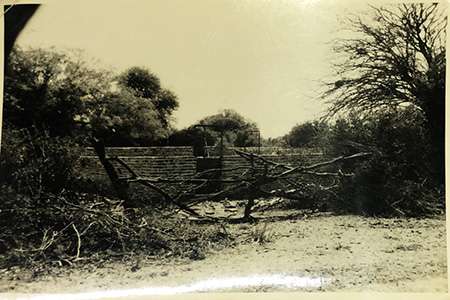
67,228
263,176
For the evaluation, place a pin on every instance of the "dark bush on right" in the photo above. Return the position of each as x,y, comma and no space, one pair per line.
398,178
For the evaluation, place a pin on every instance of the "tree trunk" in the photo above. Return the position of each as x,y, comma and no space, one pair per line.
120,187
434,108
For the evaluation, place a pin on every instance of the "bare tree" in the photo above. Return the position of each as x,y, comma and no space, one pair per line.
396,56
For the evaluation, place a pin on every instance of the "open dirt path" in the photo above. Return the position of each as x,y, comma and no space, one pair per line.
338,253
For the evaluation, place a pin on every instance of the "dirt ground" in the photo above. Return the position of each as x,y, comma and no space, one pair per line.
300,252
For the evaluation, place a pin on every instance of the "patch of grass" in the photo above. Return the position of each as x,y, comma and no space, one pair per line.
412,247
195,241
261,235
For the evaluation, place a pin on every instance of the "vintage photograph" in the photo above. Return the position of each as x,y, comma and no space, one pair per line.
164,147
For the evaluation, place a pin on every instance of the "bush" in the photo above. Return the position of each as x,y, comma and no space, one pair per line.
35,164
47,215
398,179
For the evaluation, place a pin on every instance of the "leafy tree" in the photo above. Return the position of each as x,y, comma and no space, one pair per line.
234,127
51,91
141,81
396,57
274,142
190,136
126,120
53,104
57,97
144,84
309,134
61,94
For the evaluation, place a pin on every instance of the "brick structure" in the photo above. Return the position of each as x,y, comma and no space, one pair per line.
180,162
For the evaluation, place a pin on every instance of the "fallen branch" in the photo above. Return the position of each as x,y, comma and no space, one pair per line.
322,164
264,160
121,162
214,196
151,183
253,183
169,198
328,174
97,212
165,180
99,148
79,241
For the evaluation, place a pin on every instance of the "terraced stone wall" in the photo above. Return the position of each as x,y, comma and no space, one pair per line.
179,162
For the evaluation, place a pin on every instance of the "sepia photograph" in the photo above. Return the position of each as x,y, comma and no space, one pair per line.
175,147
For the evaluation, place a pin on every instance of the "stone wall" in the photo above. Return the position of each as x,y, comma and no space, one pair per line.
143,151
152,162
179,162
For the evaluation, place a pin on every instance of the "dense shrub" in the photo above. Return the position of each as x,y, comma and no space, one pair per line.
398,178
97,227
35,164
48,212
309,134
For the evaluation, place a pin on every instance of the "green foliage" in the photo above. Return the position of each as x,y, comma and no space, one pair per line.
391,77
165,103
227,120
398,178
274,142
235,128
189,136
48,214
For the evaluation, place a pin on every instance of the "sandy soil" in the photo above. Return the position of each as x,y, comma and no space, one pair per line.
335,253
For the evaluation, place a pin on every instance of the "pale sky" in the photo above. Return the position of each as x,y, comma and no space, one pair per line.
262,58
